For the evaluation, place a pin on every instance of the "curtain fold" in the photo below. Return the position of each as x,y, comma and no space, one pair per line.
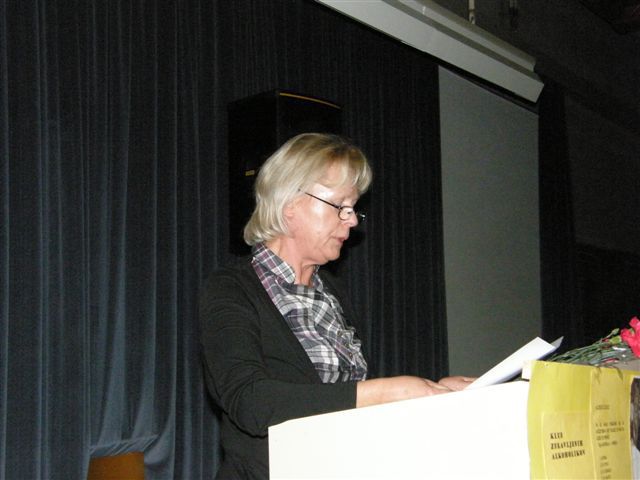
43,365
4,237
114,209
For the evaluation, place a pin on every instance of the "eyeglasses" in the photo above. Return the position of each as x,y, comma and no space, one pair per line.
344,212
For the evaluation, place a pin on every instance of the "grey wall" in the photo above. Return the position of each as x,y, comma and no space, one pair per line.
491,224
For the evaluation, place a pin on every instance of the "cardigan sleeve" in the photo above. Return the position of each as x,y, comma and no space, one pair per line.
256,387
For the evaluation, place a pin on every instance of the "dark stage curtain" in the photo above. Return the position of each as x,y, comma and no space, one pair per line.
608,285
105,178
113,201
560,299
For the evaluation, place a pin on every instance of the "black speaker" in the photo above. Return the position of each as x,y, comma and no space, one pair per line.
258,126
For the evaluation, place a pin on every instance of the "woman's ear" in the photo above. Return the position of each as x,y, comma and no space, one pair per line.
291,207
289,213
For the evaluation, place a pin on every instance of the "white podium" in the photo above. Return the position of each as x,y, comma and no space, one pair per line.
473,434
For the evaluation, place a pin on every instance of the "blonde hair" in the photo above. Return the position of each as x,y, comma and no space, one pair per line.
294,167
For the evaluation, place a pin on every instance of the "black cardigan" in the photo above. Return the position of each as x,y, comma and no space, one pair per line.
256,370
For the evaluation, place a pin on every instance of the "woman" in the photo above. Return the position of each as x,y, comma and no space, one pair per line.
276,329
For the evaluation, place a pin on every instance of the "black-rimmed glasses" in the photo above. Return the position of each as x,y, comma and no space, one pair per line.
344,211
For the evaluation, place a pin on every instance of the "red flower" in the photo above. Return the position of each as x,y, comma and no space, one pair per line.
632,336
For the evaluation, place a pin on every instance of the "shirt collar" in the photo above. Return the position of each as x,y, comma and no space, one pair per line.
267,259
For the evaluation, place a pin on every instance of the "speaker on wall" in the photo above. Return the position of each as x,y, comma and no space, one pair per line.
258,125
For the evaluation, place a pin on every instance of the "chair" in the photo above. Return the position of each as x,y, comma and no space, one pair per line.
128,466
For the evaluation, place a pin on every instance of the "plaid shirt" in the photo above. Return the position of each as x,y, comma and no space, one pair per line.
315,318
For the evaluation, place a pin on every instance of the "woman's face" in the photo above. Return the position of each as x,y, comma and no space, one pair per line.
315,226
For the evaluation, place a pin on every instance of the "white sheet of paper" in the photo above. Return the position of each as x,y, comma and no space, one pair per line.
512,365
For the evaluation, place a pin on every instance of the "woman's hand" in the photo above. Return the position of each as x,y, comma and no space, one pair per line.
391,389
456,383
